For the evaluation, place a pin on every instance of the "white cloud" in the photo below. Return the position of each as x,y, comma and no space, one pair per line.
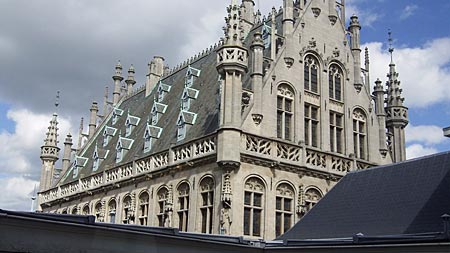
16,193
423,71
366,17
418,150
426,134
408,11
19,152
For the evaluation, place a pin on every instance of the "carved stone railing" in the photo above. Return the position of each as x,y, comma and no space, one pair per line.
195,149
299,155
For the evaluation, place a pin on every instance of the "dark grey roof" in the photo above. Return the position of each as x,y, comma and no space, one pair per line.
404,198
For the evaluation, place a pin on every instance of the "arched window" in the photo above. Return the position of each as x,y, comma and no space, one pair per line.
64,211
312,125
312,196
360,134
75,210
127,210
98,212
311,71
112,206
162,200
86,210
335,82
206,204
284,208
336,132
143,208
253,207
183,206
285,112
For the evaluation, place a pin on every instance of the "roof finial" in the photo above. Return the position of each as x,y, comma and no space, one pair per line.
391,48
57,99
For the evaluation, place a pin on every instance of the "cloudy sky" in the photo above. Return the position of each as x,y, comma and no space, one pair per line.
73,45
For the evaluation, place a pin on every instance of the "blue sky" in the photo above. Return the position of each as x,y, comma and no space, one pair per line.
73,45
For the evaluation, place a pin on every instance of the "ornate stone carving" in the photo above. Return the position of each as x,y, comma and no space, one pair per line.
332,19
226,191
257,119
301,200
336,52
289,62
316,11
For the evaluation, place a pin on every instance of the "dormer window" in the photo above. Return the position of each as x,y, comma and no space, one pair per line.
147,142
157,110
151,134
130,124
95,161
78,163
188,94
116,115
119,152
185,119
190,74
97,158
75,169
108,133
163,89
123,145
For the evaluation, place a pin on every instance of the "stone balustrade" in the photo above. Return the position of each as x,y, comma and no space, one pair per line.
178,154
300,155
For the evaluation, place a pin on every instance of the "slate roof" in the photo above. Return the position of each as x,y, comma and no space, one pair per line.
205,107
203,110
404,198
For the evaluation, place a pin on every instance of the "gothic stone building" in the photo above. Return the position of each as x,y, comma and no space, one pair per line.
241,139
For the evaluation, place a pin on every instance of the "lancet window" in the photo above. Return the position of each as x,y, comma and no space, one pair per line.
206,204
127,211
360,134
86,210
253,207
335,82
312,129
98,212
183,206
143,208
311,71
284,208
112,207
162,200
312,196
336,132
285,112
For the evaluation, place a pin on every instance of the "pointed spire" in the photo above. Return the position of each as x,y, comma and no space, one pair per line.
391,48
52,133
49,154
130,79
397,113
233,28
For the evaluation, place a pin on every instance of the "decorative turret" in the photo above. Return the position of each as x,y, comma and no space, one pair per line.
117,77
155,72
257,48
49,154
354,29
288,17
93,119
397,113
232,61
247,15
378,94
67,152
130,79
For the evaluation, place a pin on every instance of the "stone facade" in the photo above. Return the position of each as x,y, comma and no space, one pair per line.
270,119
